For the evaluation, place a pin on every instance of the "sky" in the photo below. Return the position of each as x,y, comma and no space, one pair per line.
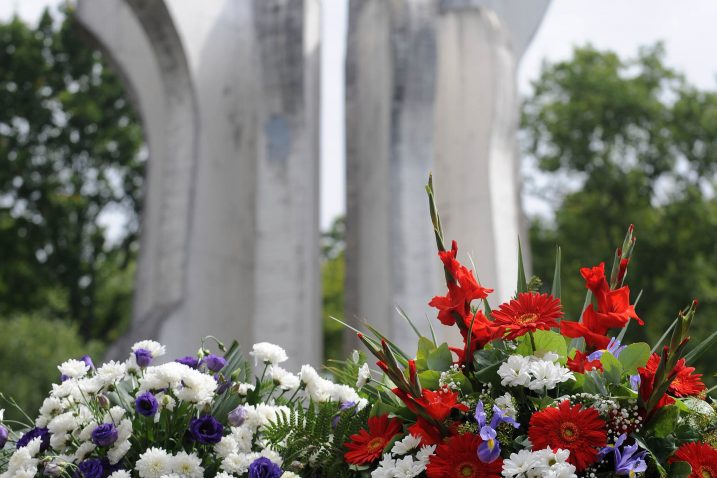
686,28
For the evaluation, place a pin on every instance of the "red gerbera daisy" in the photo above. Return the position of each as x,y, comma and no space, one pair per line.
458,458
574,428
367,446
701,457
531,312
685,383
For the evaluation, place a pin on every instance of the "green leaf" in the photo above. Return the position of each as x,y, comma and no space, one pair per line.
429,379
545,341
555,292
425,346
701,348
541,402
612,369
680,469
634,356
382,408
440,359
522,282
665,421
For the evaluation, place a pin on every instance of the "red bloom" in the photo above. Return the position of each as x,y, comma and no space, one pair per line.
615,309
458,458
590,329
367,446
595,278
580,363
531,312
426,431
437,405
701,457
580,430
684,384
462,289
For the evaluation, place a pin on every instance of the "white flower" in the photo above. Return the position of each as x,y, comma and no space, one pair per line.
224,475
425,453
385,467
286,474
154,463
505,403
120,474
547,375
2,414
63,423
196,387
74,368
317,388
111,372
155,348
238,463
519,464
187,465
407,468
118,451
514,372
355,356
83,450
272,455
405,446
364,374
283,379
268,353
243,436
226,446
245,388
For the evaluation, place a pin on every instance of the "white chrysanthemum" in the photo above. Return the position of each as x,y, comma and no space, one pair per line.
343,393
505,403
245,388
118,451
286,474
74,368
83,450
519,464
514,372
121,474
364,374
268,353
317,388
272,455
154,463
283,379
58,441
85,388
51,406
155,348
226,446
243,436
385,467
547,375
425,453
407,468
111,372
238,463
187,465
196,387
560,470
86,432
63,423
225,475
2,414
405,446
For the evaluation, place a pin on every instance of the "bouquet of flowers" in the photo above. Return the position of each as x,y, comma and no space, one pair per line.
531,393
197,416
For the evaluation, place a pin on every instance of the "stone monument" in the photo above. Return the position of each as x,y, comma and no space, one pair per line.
431,86
228,92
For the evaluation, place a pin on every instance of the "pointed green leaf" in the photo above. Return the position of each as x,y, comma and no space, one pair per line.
440,359
522,282
555,292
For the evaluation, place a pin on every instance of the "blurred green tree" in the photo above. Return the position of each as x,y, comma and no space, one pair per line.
71,154
333,266
628,141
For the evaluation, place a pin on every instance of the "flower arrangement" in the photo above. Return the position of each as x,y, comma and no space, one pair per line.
527,393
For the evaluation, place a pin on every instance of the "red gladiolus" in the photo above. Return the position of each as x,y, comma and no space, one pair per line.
615,309
426,431
367,446
580,363
685,384
590,329
701,457
437,405
530,312
595,278
457,458
574,428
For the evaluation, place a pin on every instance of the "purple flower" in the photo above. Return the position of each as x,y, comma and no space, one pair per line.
42,433
343,407
146,404
91,468
206,430
88,361
189,361
214,362
489,450
629,461
635,382
3,436
143,357
237,416
613,347
105,434
264,468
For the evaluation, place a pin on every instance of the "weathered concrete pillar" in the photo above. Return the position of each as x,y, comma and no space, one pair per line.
240,223
430,86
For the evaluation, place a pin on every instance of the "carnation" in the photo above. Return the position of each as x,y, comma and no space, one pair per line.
268,353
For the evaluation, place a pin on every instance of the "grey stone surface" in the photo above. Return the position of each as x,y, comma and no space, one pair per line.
228,93
430,86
